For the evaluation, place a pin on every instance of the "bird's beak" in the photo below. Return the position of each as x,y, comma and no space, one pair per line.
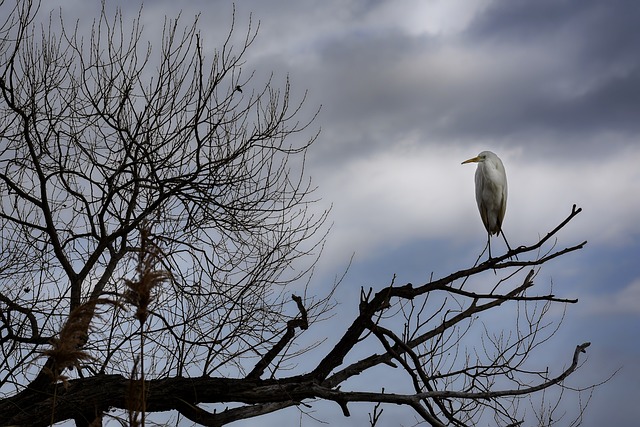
473,160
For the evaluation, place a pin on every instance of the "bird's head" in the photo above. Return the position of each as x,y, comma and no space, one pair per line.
480,157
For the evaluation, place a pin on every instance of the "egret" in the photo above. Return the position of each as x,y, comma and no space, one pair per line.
491,193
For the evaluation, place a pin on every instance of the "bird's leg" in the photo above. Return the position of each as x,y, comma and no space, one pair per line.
480,256
505,240
489,246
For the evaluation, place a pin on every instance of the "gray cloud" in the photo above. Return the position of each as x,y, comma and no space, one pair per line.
555,72
593,83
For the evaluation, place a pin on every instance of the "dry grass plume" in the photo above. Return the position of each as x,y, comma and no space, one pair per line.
66,350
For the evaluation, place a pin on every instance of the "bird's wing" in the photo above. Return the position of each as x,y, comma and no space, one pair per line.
485,217
503,201
480,199
503,207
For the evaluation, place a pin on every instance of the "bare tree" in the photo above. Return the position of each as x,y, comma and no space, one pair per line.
157,235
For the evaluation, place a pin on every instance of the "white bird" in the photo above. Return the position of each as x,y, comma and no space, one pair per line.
491,193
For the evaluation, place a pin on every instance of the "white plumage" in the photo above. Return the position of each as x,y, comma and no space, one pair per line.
491,193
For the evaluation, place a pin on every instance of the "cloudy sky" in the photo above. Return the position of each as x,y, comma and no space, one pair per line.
411,88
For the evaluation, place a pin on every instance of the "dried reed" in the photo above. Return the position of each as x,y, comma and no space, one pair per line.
140,293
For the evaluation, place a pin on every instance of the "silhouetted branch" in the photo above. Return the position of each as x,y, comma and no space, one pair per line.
265,396
270,355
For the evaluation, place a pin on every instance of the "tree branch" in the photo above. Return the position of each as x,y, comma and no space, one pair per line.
270,355
183,394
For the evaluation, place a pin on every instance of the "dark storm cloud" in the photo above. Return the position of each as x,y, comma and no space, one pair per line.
603,29
522,19
371,75
594,44
370,88
563,67
554,71
612,104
